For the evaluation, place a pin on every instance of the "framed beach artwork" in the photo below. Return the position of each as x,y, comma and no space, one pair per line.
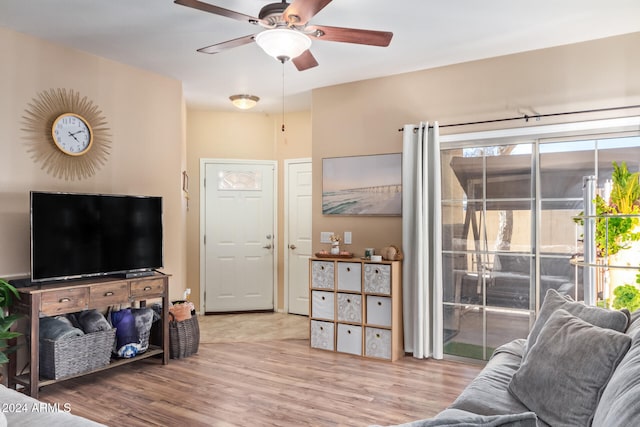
362,185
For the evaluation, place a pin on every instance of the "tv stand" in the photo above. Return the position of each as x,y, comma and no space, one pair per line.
69,297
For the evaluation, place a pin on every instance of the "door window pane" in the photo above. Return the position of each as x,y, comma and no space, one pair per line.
487,214
562,166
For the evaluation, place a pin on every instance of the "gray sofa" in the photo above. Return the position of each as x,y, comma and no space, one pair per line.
19,409
579,366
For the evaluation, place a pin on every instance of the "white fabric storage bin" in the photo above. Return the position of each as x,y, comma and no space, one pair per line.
378,310
350,276
322,335
322,274
377,343
377,278
349,308
322,305
350,339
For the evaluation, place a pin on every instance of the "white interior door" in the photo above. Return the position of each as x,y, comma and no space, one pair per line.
298,234
239,235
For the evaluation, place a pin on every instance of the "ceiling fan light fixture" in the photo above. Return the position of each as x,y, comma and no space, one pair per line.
283,44
243,101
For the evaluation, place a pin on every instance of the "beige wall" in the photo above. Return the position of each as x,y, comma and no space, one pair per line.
155,137
364,117
247,136
145,114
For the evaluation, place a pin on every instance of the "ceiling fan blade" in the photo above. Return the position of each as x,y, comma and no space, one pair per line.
350,35
219,47
301,11
305,61
195,4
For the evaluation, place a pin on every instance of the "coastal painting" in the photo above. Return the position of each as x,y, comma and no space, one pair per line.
362,185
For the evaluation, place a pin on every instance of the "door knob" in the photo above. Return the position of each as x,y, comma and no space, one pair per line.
267,246
292,246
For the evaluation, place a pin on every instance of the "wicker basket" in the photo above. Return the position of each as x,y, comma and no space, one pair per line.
184,337
73,356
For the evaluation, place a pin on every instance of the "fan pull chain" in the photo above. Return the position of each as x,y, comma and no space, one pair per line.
283,96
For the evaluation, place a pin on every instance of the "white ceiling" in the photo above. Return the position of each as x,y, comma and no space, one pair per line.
162,37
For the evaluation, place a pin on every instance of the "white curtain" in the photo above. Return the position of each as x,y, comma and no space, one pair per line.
422,241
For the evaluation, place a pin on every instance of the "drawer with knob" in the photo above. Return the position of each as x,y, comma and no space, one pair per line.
349,339
350,276
147,288
64,301
322,335
104,295
378,310
377,343
349,308
322,305
322,274
377,279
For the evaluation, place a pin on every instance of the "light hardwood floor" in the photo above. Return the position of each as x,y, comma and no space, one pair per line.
264,381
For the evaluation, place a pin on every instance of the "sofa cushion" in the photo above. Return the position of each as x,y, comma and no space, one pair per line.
618,405
564,373
488,394
604,318
634,323
458,418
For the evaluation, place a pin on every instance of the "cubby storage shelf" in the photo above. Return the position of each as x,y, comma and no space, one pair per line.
356,307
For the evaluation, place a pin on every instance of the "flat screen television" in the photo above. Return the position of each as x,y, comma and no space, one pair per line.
82,235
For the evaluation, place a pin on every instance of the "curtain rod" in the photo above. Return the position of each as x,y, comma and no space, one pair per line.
527,117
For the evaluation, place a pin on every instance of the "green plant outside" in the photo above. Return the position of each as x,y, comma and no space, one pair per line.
7,295
626,296
625,193
615,232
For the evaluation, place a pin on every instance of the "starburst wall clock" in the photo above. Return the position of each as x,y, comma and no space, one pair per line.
66,134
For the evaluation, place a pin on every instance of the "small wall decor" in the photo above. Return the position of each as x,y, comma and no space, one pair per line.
185,182
362,185
66,134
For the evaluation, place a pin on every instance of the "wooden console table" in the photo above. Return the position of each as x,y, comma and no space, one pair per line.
69,297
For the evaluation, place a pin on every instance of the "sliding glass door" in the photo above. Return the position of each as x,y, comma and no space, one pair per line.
509,233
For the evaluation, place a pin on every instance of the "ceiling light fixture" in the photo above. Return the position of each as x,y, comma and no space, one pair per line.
244,102
282,43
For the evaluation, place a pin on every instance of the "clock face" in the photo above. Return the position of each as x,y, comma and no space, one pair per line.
72,134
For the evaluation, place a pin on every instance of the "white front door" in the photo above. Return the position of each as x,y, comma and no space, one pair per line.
238,241
298,234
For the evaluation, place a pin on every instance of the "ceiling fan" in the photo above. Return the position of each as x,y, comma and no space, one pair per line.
287,34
